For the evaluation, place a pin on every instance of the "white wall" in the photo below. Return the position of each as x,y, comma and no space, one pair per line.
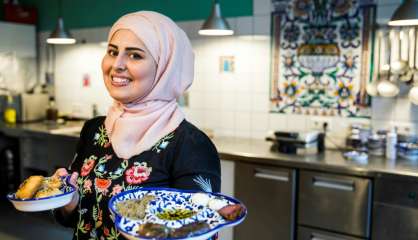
234,104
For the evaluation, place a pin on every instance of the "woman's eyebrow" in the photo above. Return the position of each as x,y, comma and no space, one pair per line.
134,49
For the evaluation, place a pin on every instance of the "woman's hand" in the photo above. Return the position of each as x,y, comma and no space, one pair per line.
62,172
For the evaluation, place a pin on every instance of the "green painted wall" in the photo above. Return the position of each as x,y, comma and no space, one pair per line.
97,13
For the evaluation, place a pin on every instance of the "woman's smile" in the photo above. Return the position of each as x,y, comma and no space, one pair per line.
120,81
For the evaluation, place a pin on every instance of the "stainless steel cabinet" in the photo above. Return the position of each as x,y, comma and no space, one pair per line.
395,209
269,194
335,202
314,234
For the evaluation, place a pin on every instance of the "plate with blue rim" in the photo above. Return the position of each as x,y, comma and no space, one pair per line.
46,203
167,199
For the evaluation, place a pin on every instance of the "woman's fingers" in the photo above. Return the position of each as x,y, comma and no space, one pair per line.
73,179
61,172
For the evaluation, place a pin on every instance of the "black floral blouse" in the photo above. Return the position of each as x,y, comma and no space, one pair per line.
184,159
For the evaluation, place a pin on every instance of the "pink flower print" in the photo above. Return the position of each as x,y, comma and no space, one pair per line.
138,173
87,167
87,185
116,189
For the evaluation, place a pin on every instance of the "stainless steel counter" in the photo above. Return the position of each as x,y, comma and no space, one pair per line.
258,151
67,129
250,150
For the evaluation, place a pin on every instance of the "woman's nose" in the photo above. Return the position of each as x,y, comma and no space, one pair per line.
120,63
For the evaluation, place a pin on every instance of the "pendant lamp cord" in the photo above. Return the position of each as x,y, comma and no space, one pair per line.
60,8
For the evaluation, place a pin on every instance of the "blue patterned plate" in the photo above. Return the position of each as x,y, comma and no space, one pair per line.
167,199
42,204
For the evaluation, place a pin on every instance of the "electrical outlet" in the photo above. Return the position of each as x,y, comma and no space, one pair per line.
404,128
317,123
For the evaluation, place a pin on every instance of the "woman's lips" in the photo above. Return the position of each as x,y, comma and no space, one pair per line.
120,81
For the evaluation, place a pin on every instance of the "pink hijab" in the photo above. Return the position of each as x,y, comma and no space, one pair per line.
135,127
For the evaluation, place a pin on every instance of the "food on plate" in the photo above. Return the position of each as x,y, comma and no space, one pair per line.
200,199
48,192
153,230
39,187
134,208
29,187
175,214
231,212
190,230
216,204
52,182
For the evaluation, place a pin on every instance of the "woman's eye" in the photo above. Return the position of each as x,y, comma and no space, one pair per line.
112,52
135,56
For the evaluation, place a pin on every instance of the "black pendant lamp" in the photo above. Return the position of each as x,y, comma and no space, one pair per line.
216,25
60,35
406,14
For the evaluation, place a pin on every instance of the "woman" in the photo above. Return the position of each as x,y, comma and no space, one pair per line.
144,141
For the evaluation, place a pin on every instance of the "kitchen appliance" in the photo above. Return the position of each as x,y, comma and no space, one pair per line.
270,192
297,142
334,204
29,107
395,208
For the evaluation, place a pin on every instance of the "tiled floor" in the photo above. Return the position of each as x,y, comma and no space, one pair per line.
15,225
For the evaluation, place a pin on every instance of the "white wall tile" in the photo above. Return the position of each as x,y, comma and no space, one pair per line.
212,119
259,134
262,25
243,102
260,122
260,103
404,110
228,101
227,119
242,134
262,7
245,26
212,101
296,122
383,108
197,99
242,121
277,122
222,132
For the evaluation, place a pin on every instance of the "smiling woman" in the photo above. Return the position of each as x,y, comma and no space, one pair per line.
128,67
144,141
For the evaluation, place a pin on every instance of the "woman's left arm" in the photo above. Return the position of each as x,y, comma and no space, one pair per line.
196,164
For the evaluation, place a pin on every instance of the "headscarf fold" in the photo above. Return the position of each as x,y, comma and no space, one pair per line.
135,127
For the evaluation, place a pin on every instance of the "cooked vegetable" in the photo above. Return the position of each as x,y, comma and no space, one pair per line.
134,208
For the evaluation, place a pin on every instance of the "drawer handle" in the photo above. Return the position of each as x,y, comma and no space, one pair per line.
338,184
317,236
271,175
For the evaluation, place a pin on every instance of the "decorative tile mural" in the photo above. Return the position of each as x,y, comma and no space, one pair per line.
321,56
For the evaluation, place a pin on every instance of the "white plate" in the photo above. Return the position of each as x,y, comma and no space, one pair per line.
167,198
43,204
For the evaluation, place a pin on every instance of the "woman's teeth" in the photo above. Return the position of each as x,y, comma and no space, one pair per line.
120,81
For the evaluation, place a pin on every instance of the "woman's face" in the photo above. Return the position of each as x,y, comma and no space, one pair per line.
128,67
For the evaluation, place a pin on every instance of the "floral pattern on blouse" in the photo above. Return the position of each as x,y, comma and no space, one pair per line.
100,179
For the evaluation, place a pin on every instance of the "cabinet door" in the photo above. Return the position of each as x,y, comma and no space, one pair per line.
315,234
395,209
268,193
18,38
335,202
